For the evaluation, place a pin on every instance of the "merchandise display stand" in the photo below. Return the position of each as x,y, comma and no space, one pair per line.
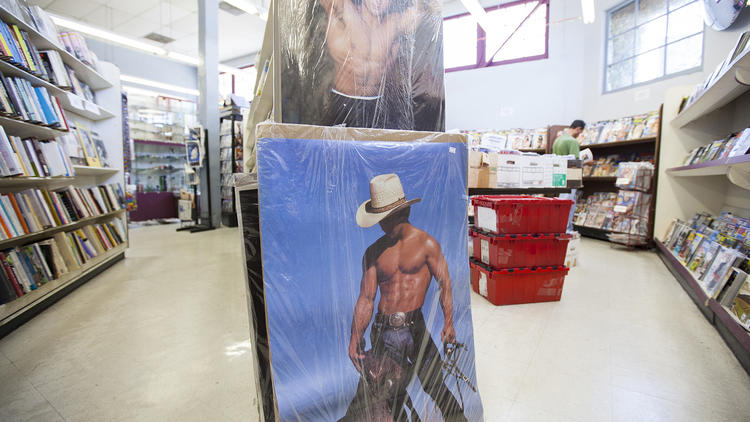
229,164
685,190
594,184
199,225
104,118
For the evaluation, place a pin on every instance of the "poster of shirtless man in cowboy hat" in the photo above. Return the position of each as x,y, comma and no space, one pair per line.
401,264
365,274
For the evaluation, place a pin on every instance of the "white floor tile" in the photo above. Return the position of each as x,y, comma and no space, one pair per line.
163,336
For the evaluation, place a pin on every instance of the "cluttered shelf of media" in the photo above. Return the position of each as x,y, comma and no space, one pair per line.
45,70
717,157
62,273
36,28
31,213
623,215
729,80
712,254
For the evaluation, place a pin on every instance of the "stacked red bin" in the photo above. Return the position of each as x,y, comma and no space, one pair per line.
519,248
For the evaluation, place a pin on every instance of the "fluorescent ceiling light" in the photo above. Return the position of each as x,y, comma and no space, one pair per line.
106,35
589,15
243,5
155,84
129,42
149,93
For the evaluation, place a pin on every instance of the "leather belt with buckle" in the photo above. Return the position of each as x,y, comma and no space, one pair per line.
397,320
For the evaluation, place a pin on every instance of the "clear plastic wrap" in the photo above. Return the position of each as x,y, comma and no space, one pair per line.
363,239
361,63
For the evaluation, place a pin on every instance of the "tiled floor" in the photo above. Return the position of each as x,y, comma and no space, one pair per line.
163,336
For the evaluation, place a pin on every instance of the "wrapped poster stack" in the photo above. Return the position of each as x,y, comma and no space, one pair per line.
519,248
633,205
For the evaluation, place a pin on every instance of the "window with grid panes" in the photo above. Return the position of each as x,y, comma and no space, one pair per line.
652,39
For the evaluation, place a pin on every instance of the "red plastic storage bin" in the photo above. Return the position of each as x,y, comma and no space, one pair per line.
521,214
518,285
519,250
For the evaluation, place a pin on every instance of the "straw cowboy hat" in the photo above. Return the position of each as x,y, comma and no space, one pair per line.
386,197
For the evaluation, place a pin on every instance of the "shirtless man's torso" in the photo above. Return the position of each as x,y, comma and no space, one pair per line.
363,40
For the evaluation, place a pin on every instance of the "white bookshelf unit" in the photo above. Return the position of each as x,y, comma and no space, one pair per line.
105,118
704,187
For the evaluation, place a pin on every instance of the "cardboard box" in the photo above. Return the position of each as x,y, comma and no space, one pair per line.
482,169
509,168
532,171
575,174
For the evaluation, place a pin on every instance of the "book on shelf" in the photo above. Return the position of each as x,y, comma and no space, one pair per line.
26,268
34,210
712,248
33,104
733,145
740,305
75,44
31,157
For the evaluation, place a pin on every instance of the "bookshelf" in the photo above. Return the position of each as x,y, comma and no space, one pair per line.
593,184
85,73
103,117
15,313
724,90
733,334
685,190
711,168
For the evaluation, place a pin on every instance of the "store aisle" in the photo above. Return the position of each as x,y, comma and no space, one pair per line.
163,336
160,336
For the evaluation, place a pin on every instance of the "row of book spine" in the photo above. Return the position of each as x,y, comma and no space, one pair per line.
20,99
34,210
18,50
24,269
31,157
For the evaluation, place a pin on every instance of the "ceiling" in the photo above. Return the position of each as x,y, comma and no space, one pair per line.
238,35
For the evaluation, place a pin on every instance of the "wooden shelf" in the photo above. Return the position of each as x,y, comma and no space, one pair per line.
711,168
537,150
85,73
94,171
14,308
70,102
517,191
619,144
724,90
730,330
27,238
34,181
608,179
28,130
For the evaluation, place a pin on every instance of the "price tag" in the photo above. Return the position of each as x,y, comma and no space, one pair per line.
75,101
483,284
485,251
623,181
89,106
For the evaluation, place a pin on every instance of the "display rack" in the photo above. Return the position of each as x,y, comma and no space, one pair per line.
685,190
733,334
594,184
103,118
231,161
